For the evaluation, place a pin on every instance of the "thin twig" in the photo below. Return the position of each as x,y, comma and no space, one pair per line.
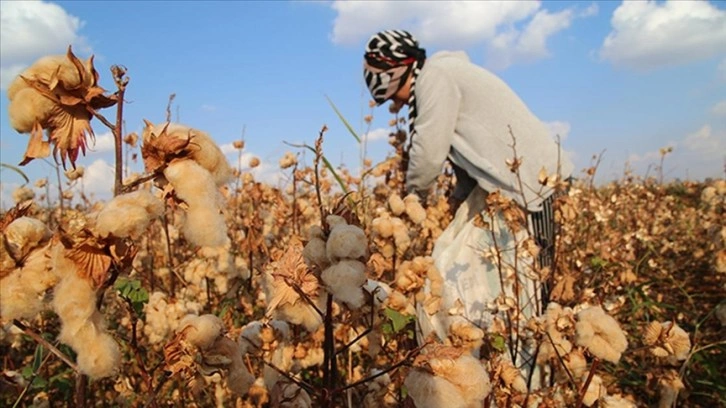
53,349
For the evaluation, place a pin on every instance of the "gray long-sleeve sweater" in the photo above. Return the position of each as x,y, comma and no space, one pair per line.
463,114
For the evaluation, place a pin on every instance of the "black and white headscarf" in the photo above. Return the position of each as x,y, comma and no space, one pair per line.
390,57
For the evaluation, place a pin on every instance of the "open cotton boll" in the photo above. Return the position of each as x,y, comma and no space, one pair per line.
203,149
101,356
201,331
429,391
128,215
414,210
467,374
23,193
396,204
23,234
346,241
315,253
600,334
75,303
204,223
335,220
383,226
595,390
22,292
345,281
28,107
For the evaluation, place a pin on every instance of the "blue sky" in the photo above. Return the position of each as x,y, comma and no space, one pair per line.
627,78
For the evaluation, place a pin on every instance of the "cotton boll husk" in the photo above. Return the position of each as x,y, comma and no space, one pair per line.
396,204
345,281
44,69
428,391
203,149
128,215
669,385
346,241
204,223
414,210
315,253
600,334
203,330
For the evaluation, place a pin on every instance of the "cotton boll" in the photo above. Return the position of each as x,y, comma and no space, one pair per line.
203,149
204,224
289,395
600,334
335,220
300,313
128,215
414,210
203,330
595,390
383,226
22,292
28,108
428,391
345,281
467,374
74,301
315,253
22,194
346,241
100,357
23,234
396,204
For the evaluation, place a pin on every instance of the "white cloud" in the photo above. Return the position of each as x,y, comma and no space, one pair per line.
649,34
458,24
529,45
104,143
590,11
707,142
377,134
208,108
558,128
32,29
719,109
97,180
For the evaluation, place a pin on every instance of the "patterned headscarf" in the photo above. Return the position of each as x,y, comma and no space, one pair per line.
390,57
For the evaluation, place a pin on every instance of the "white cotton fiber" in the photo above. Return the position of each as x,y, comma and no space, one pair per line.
204,223
128,215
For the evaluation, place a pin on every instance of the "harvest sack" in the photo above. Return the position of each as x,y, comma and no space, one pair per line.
470,278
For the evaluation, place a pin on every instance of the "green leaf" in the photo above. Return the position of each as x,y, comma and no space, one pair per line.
398,320
37,358
131,289
342,119
499,343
